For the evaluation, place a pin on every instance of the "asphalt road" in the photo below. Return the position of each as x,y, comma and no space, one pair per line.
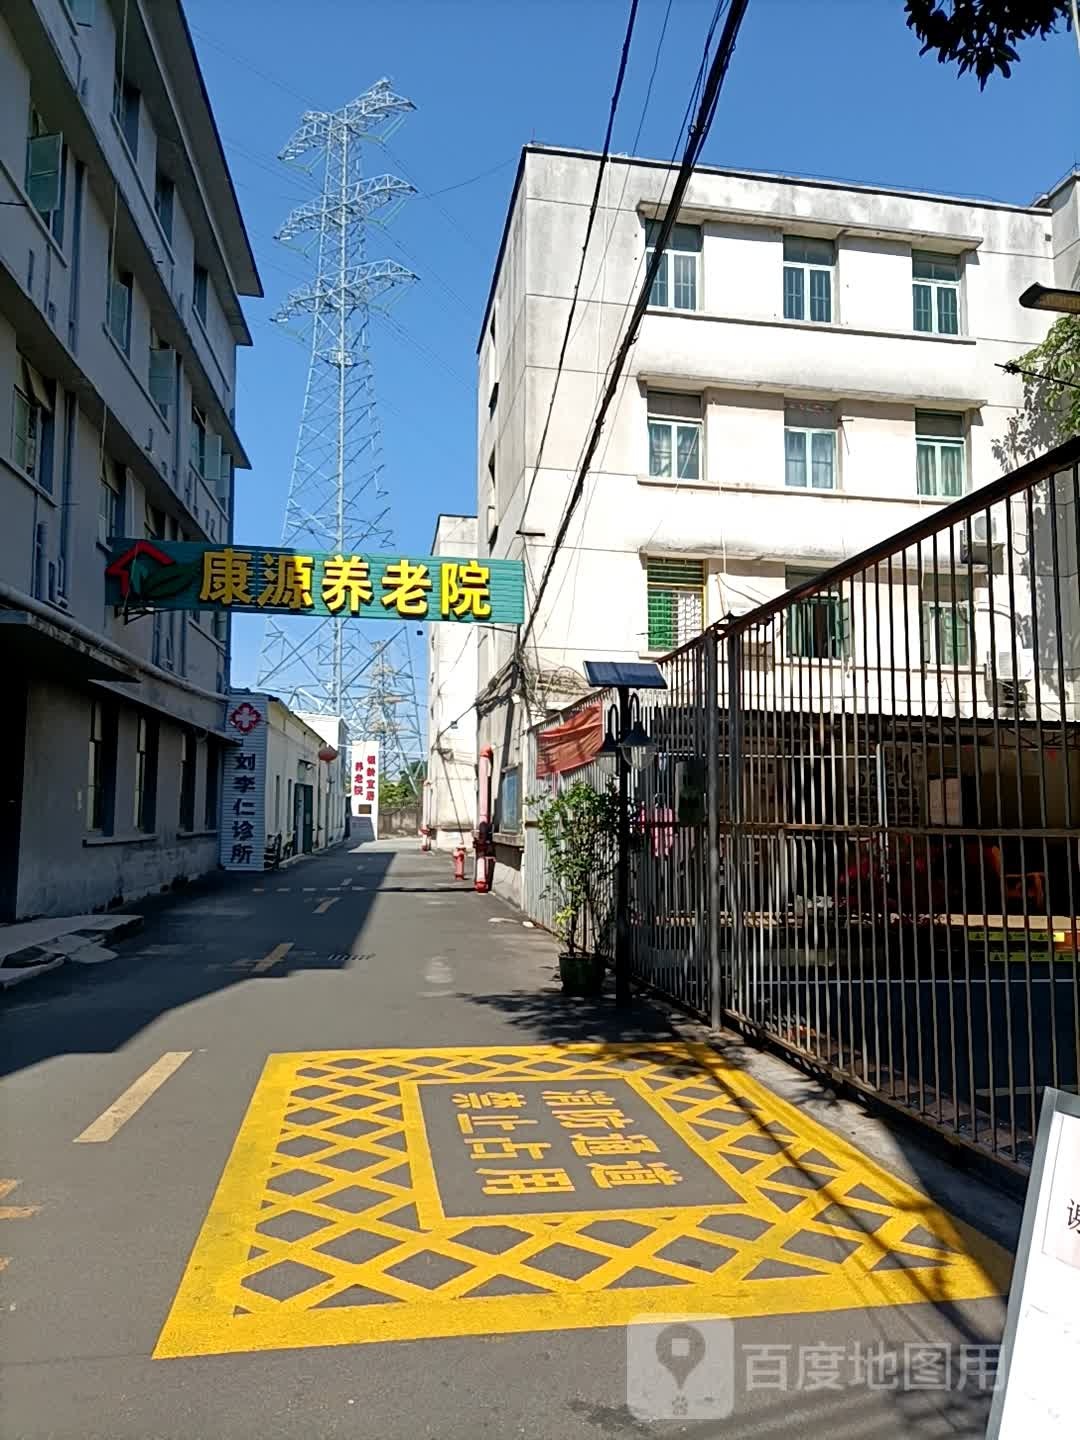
108,1188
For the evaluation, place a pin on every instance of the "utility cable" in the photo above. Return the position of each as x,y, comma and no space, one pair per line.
593,206
698,134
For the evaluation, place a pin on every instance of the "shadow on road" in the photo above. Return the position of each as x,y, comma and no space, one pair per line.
211,937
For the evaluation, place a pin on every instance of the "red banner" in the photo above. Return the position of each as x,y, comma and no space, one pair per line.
570,744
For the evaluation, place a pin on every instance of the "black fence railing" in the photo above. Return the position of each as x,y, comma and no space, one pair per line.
861,835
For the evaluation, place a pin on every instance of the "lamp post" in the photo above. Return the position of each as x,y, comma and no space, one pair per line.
626,746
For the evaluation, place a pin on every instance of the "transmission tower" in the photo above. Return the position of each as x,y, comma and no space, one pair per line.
337,500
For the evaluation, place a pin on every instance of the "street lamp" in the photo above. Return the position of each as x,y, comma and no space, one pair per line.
626,745
1051,297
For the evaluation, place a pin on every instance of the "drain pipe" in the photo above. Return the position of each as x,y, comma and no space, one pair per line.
482,839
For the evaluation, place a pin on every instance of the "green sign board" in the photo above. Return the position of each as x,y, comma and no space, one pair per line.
189,575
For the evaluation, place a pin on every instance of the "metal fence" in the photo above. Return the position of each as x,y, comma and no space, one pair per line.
860,837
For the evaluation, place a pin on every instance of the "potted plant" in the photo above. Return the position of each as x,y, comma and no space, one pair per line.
579,828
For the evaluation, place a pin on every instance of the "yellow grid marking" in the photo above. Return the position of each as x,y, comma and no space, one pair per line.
333,1268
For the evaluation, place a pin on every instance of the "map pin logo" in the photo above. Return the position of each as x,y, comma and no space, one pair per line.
680,1349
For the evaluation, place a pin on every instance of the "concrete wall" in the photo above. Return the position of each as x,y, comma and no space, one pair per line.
739,354
54,281
450,791
292,758
66,868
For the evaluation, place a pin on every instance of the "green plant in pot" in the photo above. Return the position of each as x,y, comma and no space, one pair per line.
579,827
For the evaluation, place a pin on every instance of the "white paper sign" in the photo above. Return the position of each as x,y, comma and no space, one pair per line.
1038,1395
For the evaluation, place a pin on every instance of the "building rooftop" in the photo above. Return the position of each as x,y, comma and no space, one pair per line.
820,182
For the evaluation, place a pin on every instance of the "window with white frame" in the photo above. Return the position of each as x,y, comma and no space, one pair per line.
164,197
810,447
119,313
198,440
110,504
946,622
935,292
31,421
82,11
676,601
939,453
809,263
677,279
200,287
45,167
675,439
162,373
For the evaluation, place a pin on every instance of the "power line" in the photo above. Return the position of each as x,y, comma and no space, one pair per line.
623,57
698,134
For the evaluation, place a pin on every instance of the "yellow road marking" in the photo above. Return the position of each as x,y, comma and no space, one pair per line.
325,904
14,1212
133,1099
271,958
323,1230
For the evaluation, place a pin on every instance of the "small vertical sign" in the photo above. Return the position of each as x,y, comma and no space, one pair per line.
243,801
365,781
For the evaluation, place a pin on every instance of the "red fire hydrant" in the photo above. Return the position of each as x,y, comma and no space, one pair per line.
459,862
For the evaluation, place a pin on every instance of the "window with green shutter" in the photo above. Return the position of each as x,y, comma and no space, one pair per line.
676,596
819,627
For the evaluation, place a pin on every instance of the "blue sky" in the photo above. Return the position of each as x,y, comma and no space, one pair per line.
834,88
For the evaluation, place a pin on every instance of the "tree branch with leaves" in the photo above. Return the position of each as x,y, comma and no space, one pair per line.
982,35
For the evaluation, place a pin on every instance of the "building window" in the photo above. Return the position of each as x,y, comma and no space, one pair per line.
935,292
946,623
199,287
119,316
161,373
126,110
939,453
808,278
81,11
164,194
110,505
674,436
31,424
45,156
187,780
198,440
146,743
213,781
101,770
277,803
676,284
817,627
676,596
809,448
509,800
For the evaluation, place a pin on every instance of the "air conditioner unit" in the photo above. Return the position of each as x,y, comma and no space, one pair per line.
984,539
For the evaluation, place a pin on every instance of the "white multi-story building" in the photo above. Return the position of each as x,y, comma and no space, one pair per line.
449,804
820,365
122,257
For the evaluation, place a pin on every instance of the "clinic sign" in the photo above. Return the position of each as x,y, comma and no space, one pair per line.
188,575
243,798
